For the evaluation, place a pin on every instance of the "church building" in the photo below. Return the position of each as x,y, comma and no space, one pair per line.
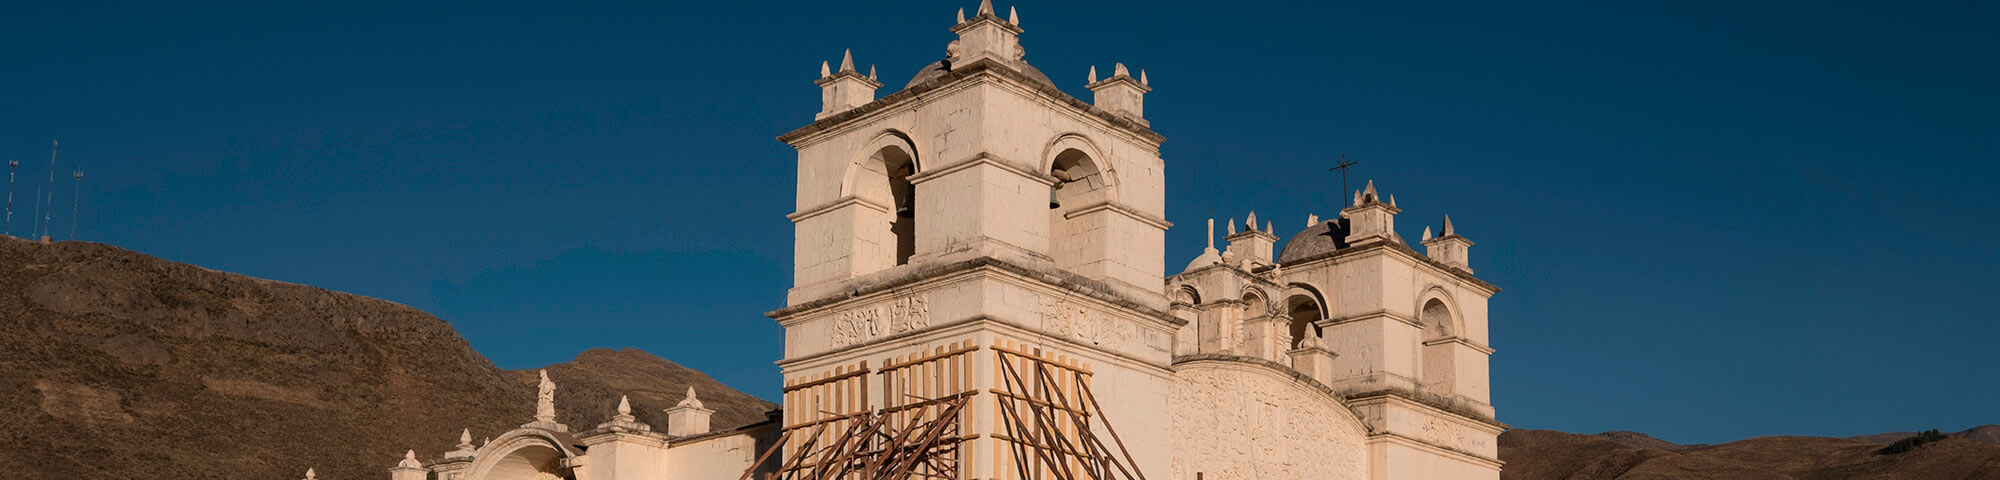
980,292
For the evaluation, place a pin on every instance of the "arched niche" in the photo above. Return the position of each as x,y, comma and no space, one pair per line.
880,175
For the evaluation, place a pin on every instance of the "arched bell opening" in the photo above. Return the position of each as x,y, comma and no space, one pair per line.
884,179
1306,313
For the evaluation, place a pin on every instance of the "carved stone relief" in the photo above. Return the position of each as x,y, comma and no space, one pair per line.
861,324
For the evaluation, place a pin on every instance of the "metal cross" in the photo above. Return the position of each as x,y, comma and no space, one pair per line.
1342,167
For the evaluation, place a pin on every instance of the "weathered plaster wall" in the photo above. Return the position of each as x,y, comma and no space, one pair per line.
1238,420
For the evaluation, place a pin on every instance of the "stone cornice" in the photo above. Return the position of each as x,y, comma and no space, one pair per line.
1431,401
1407,253
1461,341
1407,440
1156,222
982,66
801,215
923,272
977,159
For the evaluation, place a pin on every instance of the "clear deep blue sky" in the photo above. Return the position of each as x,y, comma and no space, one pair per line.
1713,220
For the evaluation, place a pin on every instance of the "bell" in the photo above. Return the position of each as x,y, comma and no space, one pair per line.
1053,202
904,207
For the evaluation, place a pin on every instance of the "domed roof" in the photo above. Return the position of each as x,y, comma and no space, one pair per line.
1320,238
1207,257
937,69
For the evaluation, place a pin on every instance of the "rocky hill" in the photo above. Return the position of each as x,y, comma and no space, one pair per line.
1551,455
114,364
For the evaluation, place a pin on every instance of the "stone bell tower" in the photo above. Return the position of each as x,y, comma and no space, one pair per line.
978,211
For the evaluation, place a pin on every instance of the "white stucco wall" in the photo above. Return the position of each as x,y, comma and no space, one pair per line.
1238,420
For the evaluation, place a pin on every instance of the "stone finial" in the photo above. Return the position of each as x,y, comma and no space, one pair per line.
1392,201
1427,233
961,15
1142,78
1013,17
1368,193
465,447
985,7
1357,197
624,420
824,69
1251,223
688,417
410,460
690,400
1232,226
310,474
1093,74
1211,234
1269,229
1312,219
1118,70
847,60
1447,226
871,73
1312,339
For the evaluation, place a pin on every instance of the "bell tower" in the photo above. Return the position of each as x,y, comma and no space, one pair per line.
977,219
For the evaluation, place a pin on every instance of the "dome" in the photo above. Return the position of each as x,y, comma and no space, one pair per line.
937,69
1208,257
1322,237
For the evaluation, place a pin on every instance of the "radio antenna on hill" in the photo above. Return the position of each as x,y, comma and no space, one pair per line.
75,199
49,214
9,229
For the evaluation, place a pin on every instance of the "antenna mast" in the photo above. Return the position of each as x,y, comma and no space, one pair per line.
9,229
75,197
49,214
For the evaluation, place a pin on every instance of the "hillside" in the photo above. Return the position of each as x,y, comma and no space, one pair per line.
1551,455
114,364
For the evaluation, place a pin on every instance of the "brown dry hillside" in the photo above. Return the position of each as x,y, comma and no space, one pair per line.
116,365
1551,455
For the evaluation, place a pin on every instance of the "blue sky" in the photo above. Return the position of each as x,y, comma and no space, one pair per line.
1713,220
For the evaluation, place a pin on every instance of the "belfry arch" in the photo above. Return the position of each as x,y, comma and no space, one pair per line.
1438,372
880,176
1082,185
1305,308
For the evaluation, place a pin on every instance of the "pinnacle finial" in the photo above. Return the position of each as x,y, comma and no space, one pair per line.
1392,200
1211,234
410,461
1312,219
985,7
1232,226
1447,225
961,14
1357,198
1142,78
1251,223
1427,233
410,455
1013,17
1369,191
465,437
1118,69
690,400
824,69
1093,74
847,60
310,474
871,72
1268,229
624,405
